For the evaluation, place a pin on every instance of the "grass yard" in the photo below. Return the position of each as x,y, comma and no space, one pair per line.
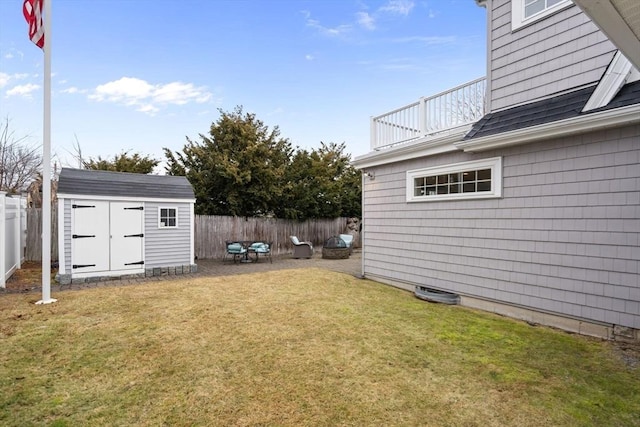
295,348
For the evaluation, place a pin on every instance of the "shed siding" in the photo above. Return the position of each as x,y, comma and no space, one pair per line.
564,238
165,247
67,234
558,53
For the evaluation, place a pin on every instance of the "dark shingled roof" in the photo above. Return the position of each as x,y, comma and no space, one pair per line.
549,110
121,184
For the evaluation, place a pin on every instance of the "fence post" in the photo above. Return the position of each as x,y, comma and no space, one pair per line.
23,229
3,234
18,232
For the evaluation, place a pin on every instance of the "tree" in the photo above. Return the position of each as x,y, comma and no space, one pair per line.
235,170
19,161
123,162
321,184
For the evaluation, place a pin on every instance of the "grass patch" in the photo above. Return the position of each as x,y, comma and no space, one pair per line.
295,347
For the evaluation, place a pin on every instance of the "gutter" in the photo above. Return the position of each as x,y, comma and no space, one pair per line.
581,124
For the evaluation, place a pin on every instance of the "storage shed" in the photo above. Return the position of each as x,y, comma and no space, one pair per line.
123,224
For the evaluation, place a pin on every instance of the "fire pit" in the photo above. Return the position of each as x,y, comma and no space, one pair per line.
335,248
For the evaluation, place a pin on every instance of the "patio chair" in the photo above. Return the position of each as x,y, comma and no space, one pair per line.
235,250
261,248
348,239
301,249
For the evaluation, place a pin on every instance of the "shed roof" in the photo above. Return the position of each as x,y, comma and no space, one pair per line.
122,184
560,107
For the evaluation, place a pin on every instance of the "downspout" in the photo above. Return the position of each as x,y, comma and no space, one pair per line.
487,4
362,224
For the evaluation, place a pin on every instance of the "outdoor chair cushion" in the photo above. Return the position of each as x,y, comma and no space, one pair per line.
235,248
348,239
259,247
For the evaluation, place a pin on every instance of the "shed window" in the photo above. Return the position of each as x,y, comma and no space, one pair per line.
167,217
468,180
524,12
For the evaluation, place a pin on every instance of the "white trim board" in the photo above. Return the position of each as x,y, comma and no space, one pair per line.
122,199
588,122
616,76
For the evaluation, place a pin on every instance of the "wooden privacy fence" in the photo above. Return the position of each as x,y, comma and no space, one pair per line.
34,234
211,233
12,235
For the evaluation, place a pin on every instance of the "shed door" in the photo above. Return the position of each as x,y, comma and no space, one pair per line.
126,235
90,238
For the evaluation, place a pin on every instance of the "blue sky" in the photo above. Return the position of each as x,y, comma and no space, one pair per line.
140,75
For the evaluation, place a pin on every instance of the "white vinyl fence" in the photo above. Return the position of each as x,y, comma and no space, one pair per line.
13,232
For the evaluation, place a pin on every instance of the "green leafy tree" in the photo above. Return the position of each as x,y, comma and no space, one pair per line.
123,162
321,184
237,169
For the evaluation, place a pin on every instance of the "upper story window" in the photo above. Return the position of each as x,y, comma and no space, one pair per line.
167,217
478,179
525,12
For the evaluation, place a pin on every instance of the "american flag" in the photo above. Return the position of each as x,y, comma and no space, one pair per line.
32,10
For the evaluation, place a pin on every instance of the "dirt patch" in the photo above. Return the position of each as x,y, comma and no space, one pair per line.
629,353
28,276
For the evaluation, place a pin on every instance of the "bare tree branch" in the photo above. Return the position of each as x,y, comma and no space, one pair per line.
20,162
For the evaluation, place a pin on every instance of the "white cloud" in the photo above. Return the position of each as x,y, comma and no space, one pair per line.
71,90
23,90
328,31
148,108
13,53
148,98
309,57
6,78
335,31
180,93
366,21
398,7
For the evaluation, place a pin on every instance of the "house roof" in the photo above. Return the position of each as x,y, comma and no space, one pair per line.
549,110
121,184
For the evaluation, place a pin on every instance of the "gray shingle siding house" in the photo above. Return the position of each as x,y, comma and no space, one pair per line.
117,224
533,210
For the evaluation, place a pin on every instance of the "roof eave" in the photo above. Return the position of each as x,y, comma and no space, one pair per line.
585,123
125,198
422,148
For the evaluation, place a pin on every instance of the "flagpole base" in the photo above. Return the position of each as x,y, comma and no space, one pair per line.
46,301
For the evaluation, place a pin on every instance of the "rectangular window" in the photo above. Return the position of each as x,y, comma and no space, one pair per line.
525,12
468,180
167,217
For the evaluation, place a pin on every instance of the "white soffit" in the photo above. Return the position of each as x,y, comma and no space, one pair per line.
620,21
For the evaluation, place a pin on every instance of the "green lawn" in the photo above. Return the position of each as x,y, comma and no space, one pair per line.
295,348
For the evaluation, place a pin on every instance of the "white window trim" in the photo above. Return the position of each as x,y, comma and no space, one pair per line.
167,226
494,163
517,13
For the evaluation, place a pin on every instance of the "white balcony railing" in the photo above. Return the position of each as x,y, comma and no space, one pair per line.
430,116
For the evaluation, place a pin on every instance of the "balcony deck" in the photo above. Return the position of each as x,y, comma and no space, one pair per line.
430,116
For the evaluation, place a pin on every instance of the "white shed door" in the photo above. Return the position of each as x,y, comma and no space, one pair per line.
127,235
90,238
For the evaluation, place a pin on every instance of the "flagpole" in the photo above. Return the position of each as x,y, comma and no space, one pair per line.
46,162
